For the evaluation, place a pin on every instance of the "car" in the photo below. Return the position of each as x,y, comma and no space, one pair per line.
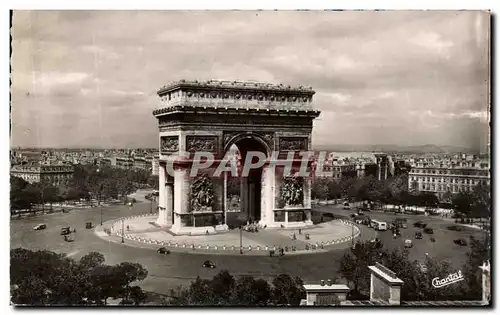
65,231
417,224
208,264
404,226
40,226
88,225
163,250
456,228
429,231
418,235
460,242
408,243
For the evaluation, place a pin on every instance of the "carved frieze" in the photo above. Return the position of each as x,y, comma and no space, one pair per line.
201,143
169,144
293,144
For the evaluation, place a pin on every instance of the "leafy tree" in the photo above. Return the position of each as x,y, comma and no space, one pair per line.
92,260
48,278
223,285
354,265
137,295
479,252
249,291
319,189
462,203
287,290
334,189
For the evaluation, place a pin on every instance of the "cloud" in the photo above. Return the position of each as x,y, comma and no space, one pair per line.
380,77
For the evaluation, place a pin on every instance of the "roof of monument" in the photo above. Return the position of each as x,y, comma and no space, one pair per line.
236,85
230,96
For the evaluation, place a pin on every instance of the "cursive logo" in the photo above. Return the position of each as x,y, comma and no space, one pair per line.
452,278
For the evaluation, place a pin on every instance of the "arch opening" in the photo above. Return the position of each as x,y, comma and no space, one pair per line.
244,194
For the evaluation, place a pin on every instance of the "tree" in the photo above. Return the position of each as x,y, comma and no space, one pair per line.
129,272
354,265
249,291
44,277
462,203
471,287
92,260
334,189
137,295
447,197
319,189
19,199
223,285
287,290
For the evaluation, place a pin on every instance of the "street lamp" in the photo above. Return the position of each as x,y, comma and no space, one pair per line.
352,234
123,230
153,199
241,241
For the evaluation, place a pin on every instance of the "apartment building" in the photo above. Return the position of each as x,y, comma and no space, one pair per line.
452,176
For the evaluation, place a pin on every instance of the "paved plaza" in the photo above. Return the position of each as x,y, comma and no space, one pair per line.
141,229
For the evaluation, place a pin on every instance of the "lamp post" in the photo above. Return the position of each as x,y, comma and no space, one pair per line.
241,240
352,234
123,230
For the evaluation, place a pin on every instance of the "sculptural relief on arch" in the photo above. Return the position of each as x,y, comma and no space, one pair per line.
237,117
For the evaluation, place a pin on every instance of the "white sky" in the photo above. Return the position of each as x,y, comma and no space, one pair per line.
89,78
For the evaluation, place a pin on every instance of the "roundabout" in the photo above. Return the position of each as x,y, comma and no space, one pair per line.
141,231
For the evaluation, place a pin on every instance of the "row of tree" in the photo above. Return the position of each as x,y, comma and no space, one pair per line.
224,289
417,276
48,278
475,203
89,181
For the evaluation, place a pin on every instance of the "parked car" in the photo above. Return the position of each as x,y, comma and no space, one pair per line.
408,244
208,264
40,226
404,226
346,206
429,231
460,242
65,231
418,235
163,250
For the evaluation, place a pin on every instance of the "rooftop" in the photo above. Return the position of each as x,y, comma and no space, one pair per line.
235,85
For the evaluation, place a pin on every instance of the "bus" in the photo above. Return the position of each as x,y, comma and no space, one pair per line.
378,225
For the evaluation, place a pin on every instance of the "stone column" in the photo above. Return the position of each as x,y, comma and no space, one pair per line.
267,196
181,197
169,199
162,220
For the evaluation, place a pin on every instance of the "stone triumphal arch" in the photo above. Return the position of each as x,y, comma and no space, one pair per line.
215,116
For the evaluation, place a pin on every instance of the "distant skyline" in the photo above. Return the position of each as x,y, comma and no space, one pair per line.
89,78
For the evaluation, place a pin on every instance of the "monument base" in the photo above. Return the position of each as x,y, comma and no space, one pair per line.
198,230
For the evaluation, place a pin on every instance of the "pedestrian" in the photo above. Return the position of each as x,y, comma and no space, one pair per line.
300,231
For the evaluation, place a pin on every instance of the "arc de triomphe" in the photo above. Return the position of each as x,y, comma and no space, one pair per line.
212,116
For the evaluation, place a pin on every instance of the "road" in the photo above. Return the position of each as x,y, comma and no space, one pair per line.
443,249
166,272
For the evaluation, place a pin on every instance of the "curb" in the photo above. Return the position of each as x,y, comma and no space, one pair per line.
318,246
